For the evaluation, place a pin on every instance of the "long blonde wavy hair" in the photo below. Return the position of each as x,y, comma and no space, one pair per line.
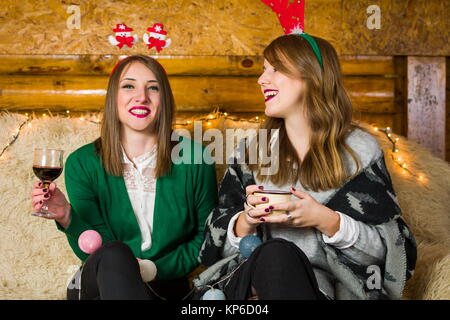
328,110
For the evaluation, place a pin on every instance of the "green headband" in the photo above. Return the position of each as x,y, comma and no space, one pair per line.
313,45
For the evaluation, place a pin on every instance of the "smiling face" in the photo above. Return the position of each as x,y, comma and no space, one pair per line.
138,98
123,34
282,94
157,36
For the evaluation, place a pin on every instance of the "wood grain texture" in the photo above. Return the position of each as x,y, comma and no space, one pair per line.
426,103
192,93
222,27
401,94
195,27
416,27
176,65
447,104
57,83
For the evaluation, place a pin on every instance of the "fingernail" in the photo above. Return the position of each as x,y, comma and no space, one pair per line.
267,210
262,219
46,196
293,188
45,190
270,207
261,187
41,202
264,199
40,184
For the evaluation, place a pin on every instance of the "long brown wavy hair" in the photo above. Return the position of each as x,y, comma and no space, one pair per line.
328,110
108,145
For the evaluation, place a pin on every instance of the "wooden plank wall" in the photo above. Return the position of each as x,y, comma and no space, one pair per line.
214,59
222,27
199,83
447,99
426,103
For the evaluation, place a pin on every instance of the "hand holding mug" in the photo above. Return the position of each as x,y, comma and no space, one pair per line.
251,217
306,212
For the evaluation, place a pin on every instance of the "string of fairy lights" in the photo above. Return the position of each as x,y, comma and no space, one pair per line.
398,160
207,120
14,137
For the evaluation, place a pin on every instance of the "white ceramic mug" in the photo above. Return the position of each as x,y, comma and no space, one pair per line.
274,196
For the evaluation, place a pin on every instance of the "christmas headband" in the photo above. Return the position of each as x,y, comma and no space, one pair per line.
121,60
155,39
314,46
291,16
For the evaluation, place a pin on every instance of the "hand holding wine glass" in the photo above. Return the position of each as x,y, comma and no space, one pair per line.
56,205
47,200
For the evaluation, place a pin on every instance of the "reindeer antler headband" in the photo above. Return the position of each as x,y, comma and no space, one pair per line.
291,15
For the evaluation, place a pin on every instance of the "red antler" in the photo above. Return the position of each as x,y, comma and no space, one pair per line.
290,13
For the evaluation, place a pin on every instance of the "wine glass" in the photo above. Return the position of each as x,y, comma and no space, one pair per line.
47,166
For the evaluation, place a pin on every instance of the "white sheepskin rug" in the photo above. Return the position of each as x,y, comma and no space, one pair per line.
37,262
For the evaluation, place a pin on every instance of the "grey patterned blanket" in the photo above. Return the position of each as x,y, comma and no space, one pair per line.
368,197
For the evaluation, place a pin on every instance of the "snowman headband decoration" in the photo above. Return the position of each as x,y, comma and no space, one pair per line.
291,16
155,39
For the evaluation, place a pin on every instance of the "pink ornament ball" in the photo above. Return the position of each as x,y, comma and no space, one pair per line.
89,241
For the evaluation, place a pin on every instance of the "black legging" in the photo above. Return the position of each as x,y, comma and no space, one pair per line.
112,273
277,270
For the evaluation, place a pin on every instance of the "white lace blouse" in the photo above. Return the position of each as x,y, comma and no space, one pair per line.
141,186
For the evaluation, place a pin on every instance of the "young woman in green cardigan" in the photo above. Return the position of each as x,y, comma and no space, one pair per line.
126,187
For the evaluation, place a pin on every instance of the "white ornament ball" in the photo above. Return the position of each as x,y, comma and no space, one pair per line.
148,270
214,294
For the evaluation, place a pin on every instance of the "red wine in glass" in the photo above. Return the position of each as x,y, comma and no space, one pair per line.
47,174
47,166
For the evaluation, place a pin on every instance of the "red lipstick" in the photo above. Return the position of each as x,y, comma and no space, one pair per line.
140,111
269,94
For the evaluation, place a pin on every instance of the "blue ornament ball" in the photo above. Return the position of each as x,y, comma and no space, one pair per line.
214,294
248,244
